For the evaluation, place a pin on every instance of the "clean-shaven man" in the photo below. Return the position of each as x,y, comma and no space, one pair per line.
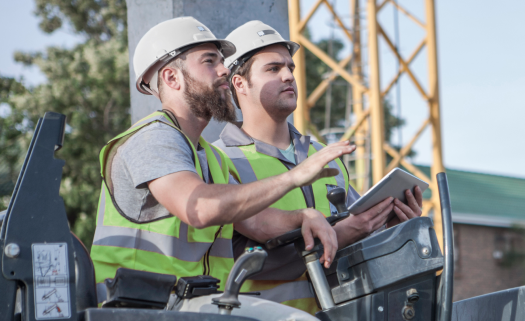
263,86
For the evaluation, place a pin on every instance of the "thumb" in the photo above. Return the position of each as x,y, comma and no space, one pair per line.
328,172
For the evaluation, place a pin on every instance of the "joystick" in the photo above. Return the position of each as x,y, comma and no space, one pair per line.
337,197
249,263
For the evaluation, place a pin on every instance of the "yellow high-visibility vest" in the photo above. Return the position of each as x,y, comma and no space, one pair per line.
166,245
249,161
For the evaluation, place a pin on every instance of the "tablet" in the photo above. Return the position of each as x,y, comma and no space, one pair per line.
394,184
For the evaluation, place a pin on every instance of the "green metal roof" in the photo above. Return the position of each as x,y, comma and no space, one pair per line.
484,199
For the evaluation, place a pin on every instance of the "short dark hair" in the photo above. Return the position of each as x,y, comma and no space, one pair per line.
245,72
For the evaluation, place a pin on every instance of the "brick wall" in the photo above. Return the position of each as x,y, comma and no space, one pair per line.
476,271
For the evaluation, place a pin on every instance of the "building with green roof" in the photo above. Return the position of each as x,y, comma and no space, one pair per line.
488,212
485,199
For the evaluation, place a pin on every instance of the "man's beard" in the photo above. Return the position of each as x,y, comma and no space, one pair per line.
206,102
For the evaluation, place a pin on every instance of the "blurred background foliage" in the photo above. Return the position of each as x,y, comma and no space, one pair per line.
89,83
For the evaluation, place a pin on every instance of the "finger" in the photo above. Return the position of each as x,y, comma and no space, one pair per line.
336,245
341,143
418,195
328,172
328,248
411,201
331,255
402,217
380,220
405,208
378,208
329,153
308,238
339,146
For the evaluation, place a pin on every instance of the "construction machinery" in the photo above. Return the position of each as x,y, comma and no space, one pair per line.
47,273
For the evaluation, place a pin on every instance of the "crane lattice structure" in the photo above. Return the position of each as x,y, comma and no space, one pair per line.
367,96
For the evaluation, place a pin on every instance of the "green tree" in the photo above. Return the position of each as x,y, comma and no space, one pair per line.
11,138
88,83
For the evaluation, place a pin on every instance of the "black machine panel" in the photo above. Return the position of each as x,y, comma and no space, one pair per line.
37,232
50,267
405,251
412,300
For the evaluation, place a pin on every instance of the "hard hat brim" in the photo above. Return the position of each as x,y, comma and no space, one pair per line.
293,47
226,47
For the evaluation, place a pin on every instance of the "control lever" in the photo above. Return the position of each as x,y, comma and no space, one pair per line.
249,263
337,198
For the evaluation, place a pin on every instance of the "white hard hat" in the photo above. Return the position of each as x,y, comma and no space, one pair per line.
252,37
164,42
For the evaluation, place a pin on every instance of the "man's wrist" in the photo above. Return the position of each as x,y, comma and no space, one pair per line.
287,180
352,232
302,216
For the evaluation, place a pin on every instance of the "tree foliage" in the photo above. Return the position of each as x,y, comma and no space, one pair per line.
89,83
96,19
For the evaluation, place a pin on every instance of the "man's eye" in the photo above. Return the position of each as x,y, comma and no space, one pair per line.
273,69
208,60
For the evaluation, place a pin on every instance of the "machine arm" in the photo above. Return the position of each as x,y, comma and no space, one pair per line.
446,283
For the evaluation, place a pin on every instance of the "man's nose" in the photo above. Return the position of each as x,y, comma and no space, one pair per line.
223,71
288,75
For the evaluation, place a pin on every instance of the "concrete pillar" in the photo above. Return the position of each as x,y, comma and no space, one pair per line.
220,16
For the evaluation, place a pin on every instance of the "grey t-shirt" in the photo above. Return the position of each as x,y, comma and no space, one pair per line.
154,151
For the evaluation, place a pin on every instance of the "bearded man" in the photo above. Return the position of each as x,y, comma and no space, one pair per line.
165,204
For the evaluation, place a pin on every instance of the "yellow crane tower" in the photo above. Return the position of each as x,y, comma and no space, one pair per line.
367,97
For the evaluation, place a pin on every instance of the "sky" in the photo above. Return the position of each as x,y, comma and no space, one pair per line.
481,74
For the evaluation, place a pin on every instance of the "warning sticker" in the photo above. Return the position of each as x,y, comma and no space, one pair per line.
51,280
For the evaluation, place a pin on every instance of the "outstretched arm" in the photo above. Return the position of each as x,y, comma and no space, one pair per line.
199,204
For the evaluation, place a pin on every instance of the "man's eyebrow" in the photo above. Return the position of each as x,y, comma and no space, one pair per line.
275,63
279,63
209,54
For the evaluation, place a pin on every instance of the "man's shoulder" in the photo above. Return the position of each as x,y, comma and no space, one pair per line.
154,138
156,132
158,127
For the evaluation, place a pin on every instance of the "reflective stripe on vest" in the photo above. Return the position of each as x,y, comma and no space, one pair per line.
166,245
247,165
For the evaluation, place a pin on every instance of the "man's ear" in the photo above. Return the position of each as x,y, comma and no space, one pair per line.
239,83
172,78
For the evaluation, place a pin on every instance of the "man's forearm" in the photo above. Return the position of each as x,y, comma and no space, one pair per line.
269,223
186,196
223,204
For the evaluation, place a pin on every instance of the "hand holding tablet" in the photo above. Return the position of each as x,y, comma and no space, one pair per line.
394,184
